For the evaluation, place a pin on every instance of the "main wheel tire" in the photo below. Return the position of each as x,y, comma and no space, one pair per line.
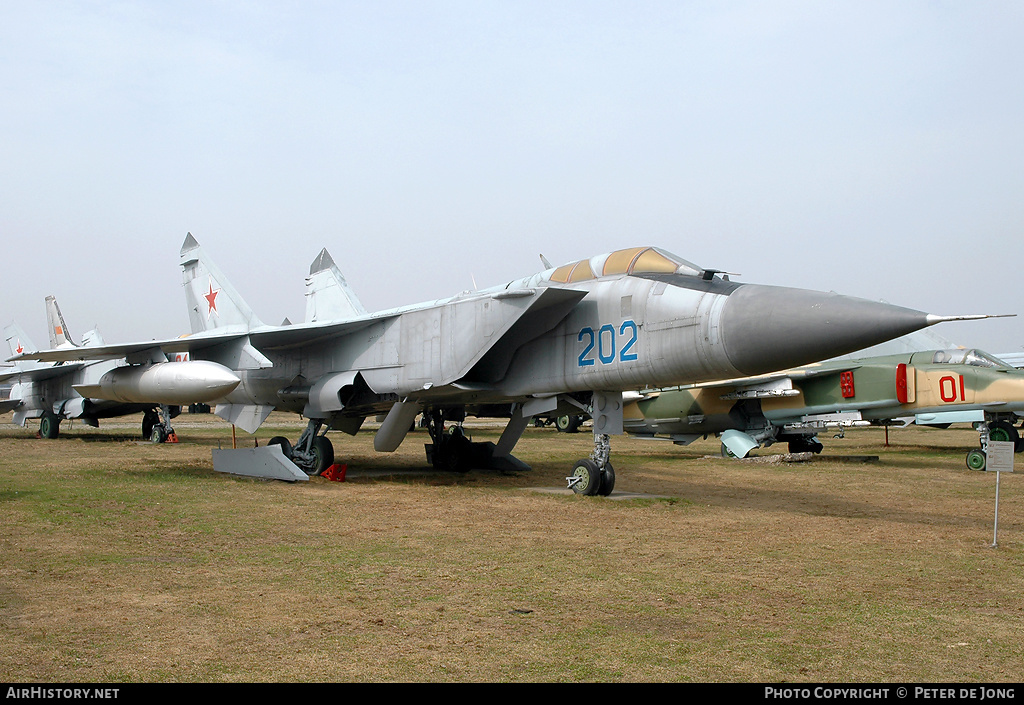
149,420
158,434
805,445
457,451
49,425
976,459
570,423
323,455
286,445
589,482
607,480
1003,431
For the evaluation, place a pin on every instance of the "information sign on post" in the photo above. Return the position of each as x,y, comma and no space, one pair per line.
999,460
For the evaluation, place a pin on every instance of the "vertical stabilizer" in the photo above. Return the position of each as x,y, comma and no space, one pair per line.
328,295
212,302
92,338
59,336
19,343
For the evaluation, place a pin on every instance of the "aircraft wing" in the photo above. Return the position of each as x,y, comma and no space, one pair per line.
40,373
9,405
286,336
1014,359
246,347
103,352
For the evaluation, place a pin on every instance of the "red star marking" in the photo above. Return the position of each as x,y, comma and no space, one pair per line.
211,299
19,349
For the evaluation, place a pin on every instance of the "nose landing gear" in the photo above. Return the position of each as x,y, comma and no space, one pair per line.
595,476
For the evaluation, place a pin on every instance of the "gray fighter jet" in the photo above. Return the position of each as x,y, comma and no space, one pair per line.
571,338
55,392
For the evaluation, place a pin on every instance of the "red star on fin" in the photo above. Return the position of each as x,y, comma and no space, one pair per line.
20,349
211,299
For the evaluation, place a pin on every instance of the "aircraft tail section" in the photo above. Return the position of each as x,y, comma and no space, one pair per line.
328,295
213,303
18,342
58,329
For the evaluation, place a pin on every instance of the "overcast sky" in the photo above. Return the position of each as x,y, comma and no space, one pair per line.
871,148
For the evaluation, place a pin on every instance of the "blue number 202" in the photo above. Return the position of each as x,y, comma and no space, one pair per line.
606,350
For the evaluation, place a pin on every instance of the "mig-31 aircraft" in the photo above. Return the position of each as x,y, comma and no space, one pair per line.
569,339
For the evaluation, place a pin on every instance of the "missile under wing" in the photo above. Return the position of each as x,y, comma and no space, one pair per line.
573,337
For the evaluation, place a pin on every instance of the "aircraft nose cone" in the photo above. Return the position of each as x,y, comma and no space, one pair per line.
768,328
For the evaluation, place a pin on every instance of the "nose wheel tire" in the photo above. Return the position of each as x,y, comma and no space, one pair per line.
607,480
976,459
587,479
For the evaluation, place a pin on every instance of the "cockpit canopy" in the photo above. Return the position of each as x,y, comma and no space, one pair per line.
961,356
634,260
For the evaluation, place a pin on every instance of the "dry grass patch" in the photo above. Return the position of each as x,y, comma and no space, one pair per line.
128,561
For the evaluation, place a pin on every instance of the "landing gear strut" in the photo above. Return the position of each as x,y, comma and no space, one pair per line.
312,453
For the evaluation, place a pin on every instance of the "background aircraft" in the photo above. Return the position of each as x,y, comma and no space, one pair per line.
63,390
46,391
1013,359
936,387
571,338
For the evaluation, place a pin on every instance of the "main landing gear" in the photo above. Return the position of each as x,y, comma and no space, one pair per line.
808,444
977,458
451,449
312,453
569,423
49,425
156,425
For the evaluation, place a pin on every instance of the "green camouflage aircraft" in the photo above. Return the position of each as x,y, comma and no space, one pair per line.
935,388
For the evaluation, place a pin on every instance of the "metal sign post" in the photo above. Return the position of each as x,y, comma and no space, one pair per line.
1000,459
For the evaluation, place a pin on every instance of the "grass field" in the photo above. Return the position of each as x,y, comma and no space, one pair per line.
126,561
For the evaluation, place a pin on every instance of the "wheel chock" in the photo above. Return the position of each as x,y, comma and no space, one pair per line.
335,473
172,437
